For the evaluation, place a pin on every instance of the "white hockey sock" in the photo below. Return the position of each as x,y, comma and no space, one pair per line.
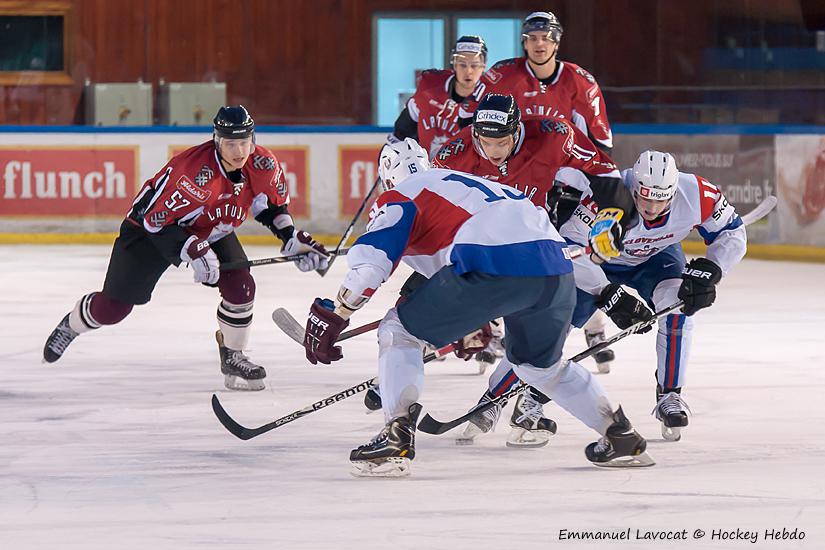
400,366
573,388
596,323
235,323
80,319
674,338
502,369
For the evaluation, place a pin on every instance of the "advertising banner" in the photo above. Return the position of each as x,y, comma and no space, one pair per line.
800,174
63,181
741,165
358,170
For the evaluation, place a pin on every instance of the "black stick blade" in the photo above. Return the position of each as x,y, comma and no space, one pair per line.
228,422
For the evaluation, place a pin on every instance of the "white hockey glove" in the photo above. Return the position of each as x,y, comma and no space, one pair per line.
201,259
314,255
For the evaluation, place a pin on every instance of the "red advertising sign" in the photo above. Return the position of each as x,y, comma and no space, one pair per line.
67,181
294,162
358,168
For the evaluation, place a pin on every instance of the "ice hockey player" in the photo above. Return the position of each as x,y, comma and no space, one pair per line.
669,204
487,252
526,155
444,99
188,212
545,86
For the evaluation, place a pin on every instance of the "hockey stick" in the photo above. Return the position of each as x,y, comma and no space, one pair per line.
242,432
760,211
275,260
295,330
348,232
430,425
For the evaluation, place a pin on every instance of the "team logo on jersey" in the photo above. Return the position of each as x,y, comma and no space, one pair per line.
586,75
157,219
190,189
493,75
237,188
203,177
452,148
262,162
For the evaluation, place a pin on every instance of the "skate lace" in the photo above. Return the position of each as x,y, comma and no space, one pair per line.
602,445
383,434
240,361
670,403
530,409
62,338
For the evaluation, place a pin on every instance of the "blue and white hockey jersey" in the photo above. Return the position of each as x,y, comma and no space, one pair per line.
443,217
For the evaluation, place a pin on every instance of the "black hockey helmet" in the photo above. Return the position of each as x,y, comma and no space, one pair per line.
543,21
233,122
470,44
496,116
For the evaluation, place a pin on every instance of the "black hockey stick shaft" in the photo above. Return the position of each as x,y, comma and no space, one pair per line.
348,232
269,261
430,425
243,432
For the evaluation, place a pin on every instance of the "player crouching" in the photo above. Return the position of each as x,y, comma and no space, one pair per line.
438,222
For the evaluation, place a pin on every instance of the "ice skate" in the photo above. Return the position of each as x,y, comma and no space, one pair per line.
58,341
481,422
621,446
389,453
239,372
605,357
530,428
672,411
372,400
484,359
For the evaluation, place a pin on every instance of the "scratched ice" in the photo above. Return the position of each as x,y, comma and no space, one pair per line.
116,445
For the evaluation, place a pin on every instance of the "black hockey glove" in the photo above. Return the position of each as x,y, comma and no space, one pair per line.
623,308
699,280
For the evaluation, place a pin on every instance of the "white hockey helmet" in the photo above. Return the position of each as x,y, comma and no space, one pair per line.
399,160
655,176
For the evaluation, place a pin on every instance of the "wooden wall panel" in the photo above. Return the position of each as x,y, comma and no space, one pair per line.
310,61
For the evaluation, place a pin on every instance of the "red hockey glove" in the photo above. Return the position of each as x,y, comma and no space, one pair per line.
474,342
323,328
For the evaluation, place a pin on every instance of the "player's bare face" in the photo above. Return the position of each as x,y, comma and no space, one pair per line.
539,47
468,70
497,149
650,210
235,152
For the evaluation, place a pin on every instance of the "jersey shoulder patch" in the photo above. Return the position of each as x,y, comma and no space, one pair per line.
498,71
432,79
709,195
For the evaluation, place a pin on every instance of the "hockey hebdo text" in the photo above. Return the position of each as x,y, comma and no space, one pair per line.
770,534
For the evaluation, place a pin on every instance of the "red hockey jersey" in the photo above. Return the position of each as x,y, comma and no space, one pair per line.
544,146
573,94
435,112
194,191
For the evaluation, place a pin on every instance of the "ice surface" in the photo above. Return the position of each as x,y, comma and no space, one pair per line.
116,446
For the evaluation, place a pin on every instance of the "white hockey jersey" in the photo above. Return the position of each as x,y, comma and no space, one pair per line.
442,217
697,204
